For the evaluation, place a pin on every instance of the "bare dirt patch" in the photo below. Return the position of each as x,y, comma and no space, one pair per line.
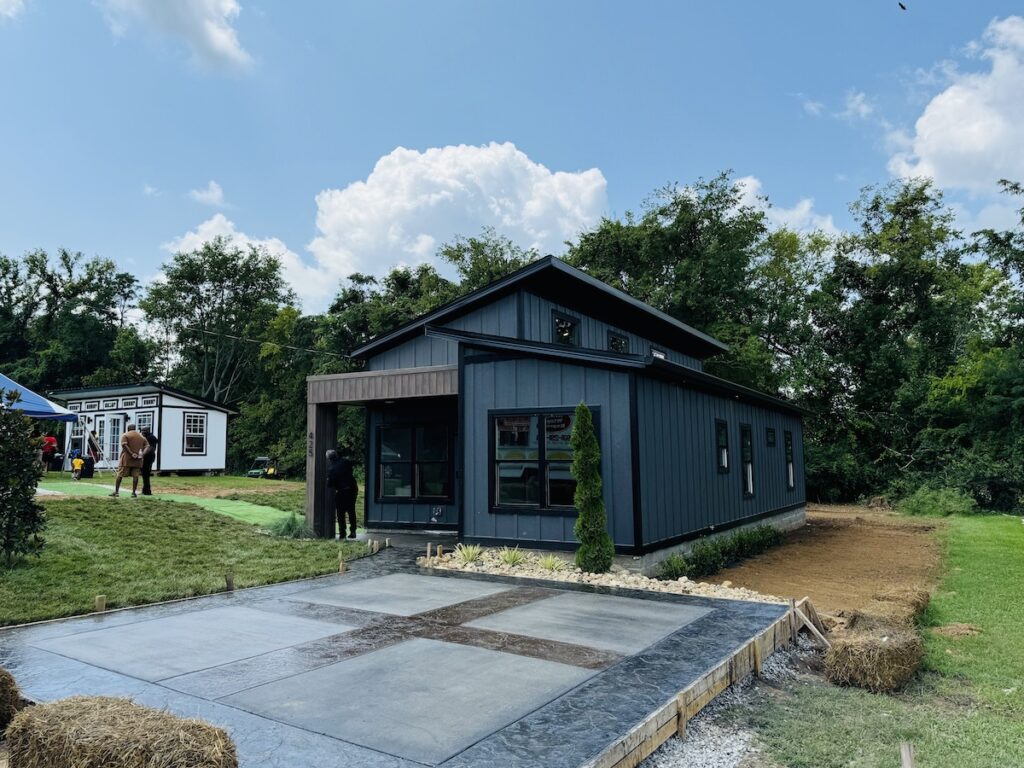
957,630
844,558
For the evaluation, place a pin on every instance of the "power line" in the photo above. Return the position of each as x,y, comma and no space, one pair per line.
274,343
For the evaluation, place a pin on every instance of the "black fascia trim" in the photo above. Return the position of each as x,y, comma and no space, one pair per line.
690,536
706,345
145,387
719,386
634,454
459,486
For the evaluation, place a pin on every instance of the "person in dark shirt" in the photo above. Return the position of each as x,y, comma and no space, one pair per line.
341,479
147,460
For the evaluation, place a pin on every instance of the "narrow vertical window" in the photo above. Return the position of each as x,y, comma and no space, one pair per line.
770,437
722,445
790,472
564,329
747,457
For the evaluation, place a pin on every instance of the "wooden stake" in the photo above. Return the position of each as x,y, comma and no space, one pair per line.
341,564
430,549
440,551
906,754
387,543
229,579
101,603
792,621
814,630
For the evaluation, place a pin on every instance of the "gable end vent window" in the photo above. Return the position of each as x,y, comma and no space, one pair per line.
747,455
194,437
658,353
413,462
618,343
770,437
790,471
565,329
722,445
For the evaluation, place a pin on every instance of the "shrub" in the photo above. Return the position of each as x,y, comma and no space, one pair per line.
706,557
468,553
596,550
551,562
292,526
88,731
10,698
22,519
938,502
512,556
673,567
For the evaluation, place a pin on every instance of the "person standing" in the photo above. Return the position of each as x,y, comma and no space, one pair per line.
341,478
133,447
148,458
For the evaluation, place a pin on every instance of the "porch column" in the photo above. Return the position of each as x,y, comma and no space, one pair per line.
321,436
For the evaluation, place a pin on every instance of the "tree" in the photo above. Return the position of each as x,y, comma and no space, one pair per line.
487,257
22,520
213,300
596,550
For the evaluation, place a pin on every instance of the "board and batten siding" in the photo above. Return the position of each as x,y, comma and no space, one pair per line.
537,326
681,489
496,319
532,383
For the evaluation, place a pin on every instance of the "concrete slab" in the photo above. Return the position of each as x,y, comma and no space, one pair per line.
167,647
621,624
423,700
401,594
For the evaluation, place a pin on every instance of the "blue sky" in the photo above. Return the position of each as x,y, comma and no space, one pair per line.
131,127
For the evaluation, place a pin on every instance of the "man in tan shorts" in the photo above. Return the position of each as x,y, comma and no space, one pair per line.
133,447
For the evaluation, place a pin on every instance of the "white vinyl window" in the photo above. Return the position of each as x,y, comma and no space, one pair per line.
195,434
129,402
144,419
74,407
92,405
109,404
114,454
148,401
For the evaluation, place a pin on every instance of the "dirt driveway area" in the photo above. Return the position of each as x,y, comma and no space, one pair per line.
843,557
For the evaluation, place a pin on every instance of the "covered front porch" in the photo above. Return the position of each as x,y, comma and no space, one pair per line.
410,448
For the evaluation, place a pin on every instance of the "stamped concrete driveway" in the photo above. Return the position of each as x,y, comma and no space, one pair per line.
387,666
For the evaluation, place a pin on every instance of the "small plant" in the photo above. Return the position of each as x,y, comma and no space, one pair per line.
468,553
938,502
22,520
596,550
706,557
551,562
512,556
292,526
673,567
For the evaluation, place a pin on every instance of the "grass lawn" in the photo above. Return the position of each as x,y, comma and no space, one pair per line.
289,500
967,707
198,484
147,550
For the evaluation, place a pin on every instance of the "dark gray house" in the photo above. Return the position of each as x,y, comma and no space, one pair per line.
469,410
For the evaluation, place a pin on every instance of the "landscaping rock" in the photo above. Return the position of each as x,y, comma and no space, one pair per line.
105,732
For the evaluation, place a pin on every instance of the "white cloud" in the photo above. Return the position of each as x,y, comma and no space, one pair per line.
150,191
205,26
9,9
811,107
412,202
213,195
857,106
971,133
800,218
307,281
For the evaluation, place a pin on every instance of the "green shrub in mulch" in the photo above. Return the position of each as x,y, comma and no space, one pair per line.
708,556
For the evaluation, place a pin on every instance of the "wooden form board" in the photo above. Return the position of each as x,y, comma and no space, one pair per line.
673,717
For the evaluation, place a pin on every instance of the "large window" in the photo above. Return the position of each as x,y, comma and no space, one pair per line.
194,439
565,329
413,462
532,460
722,445
144,419
790,473
747,457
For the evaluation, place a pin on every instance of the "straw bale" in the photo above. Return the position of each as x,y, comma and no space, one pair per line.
10,698
880,659
915,599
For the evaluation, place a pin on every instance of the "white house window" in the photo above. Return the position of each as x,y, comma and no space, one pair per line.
129,402
109,404
92,405
144,419
74,406
148,401
77,430
115,440
195,434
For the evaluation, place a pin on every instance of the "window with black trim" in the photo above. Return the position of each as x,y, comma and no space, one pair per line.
148,401
413,462
565,329
790,469
747,458
618,342
144,419
532,460
129,402
770,436
194,435
722,445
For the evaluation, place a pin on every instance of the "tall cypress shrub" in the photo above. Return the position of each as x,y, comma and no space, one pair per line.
21,518
596,548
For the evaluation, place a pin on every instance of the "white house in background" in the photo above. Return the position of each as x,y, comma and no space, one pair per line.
192,431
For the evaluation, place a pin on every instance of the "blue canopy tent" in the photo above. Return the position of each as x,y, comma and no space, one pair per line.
32,405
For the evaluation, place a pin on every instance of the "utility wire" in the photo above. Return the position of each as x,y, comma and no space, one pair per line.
274,343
